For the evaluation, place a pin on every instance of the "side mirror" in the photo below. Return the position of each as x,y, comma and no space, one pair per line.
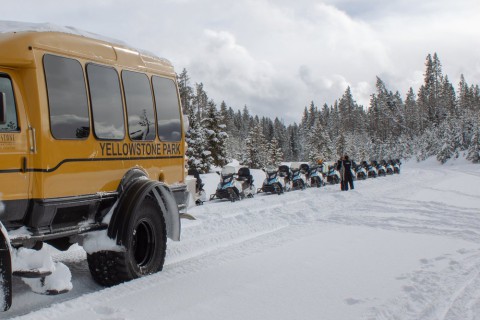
3,108
186,123
217,172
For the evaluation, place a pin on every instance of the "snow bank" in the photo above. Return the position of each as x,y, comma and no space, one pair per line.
99,240
378,252
58,281
59,278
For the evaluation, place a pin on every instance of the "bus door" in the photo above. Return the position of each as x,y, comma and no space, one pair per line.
16,147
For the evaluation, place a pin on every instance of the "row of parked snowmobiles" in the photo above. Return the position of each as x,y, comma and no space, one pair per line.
376,169
296,177
234,185
237,185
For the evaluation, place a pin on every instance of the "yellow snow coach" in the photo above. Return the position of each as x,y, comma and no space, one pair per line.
91,142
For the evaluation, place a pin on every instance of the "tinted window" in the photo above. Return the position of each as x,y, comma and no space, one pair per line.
67,98
106,101
138,97
11,123
168,109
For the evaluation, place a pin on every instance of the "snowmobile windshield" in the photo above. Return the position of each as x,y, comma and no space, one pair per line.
228,170
296,172
227,178
295,166
269,170
272,175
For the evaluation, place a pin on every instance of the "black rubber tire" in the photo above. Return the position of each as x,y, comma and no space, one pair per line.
145,249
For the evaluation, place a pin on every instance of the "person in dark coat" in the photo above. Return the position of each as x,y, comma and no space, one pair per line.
347,173
340,170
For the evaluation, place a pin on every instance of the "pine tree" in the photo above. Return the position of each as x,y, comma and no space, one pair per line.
319,143
215,135
197,156
200,100
186,92
474,149
346,109
256,147
274,153
293,132
412,121
448,147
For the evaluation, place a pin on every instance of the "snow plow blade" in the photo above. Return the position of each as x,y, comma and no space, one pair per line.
5,274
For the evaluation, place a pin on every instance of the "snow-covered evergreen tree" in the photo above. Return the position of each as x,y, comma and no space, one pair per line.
255,155
474,149
438,121
274,153
198,157
215,135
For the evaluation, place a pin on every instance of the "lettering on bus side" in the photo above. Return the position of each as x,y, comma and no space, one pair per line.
133,149
7,137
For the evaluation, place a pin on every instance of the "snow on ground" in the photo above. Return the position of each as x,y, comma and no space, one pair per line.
398,247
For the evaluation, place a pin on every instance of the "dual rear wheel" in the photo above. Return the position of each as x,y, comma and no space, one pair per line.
144,248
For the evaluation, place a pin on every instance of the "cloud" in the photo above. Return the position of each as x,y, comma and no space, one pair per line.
232,74
277,56
301,58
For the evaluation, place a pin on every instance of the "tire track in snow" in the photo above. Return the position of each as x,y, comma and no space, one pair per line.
227,231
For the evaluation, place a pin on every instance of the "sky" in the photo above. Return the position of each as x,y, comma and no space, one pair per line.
276,57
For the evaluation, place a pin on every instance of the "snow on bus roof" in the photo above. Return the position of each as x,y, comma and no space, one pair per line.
17,26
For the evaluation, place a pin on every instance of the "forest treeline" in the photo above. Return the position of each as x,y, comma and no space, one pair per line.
437,120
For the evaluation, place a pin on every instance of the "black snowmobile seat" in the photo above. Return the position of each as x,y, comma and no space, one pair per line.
284,171
304,168
244,175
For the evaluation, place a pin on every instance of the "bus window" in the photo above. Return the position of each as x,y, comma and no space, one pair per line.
106,102
138,97
168,109
10,123
67,98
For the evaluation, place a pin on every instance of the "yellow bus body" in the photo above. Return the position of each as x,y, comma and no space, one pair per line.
35,166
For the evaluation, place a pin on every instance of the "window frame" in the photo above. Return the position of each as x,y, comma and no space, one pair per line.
48,97
19,127
120,87
179,106
152,97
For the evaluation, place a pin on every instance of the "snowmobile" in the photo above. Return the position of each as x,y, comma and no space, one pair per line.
305,169
274,182
361,172
246,179
388,167
316,177
229,187
200,197
380,169
333,176
284,172
352,170
396,165
372,171
299,178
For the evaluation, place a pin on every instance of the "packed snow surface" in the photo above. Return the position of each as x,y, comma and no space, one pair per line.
398,247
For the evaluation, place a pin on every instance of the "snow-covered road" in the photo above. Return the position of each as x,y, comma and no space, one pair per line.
401,247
